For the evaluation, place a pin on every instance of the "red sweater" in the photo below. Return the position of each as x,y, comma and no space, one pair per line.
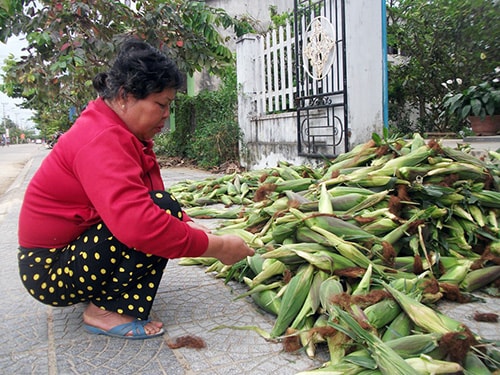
99,171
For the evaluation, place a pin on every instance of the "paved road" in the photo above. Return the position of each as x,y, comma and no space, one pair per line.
12,160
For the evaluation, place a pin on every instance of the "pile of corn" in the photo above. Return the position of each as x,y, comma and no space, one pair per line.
354,254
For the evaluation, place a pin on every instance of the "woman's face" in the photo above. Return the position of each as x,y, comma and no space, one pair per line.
146,117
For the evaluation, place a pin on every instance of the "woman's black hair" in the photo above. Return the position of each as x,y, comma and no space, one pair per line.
139,70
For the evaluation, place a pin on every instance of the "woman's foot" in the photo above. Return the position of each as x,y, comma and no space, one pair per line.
106,320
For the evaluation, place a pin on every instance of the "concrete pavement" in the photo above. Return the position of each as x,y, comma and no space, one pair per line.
38,339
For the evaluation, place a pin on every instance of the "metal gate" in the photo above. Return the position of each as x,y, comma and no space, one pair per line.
320,61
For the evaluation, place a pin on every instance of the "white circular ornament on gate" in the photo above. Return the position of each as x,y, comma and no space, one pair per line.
319,48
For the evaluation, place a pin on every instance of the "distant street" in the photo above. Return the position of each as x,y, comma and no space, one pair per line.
13,158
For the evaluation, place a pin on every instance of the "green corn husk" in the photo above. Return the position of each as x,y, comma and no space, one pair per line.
329,288
287,253
398,232
210,212
261,287
493,220
388,361
401,326
474,366
306,234
427,365
382,313
283,231
477,215
255,263
295,294
414,345
422,315
456,274
339,227
361,357
342,191
461,156
325,203
296,185
251,239
364,285
321,260
479,278
197,261
370,201
347,201
381,226
344,368
463,170
268,300
312,301
270,268
487,198
347,249
411,159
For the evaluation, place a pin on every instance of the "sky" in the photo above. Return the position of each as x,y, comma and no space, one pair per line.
8,107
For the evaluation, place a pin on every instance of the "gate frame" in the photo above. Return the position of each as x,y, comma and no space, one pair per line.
322,117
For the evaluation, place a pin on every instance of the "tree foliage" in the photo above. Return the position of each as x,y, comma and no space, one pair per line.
69,41
439,40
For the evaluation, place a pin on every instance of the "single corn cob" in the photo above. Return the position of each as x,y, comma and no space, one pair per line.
268,300
255,263
293,185
329,288
414,345
463,170
325,203
293,298
463,157
382,313
477,215
401,326
427,365
381,226
456,274
479,278
422,315
270,268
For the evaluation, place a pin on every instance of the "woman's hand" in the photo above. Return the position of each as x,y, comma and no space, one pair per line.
228,248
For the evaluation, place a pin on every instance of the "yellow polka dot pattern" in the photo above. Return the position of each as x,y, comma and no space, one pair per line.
97,267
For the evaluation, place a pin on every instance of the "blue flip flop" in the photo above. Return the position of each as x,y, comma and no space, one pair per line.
136,327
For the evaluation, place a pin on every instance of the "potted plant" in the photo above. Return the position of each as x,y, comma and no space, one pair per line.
478,104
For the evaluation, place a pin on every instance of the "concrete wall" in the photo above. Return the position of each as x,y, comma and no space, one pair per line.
364,69
268,139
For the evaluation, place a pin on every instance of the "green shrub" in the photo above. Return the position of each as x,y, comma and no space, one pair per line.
206,126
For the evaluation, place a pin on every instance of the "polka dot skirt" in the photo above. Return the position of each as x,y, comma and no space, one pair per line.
97,267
